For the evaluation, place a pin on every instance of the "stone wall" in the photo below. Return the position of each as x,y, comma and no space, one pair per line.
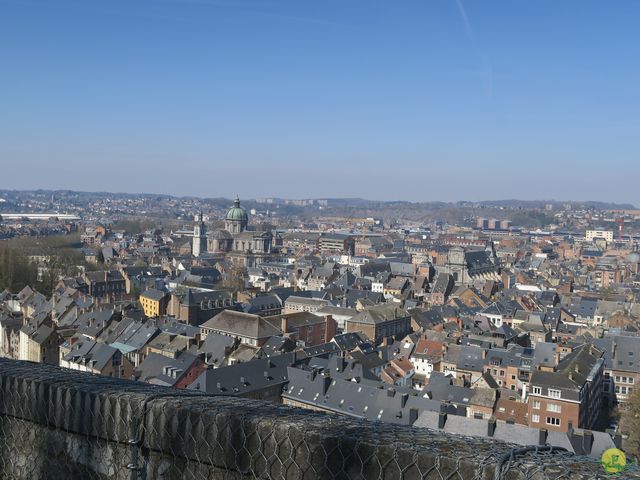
57,423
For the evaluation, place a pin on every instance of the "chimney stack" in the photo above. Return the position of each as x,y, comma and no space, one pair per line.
491,427
413,415
542,436
442,419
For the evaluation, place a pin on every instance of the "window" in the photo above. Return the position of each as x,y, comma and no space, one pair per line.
537,390
535,418
513,377
502,373
553,421
554,393
536,404
552,407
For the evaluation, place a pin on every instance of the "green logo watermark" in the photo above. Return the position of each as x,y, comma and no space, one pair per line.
614,461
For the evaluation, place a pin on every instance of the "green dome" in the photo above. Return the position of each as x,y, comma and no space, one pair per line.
237,212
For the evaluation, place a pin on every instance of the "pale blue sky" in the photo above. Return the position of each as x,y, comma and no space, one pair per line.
415,100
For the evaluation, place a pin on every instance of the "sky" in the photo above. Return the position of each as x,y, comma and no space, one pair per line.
392,100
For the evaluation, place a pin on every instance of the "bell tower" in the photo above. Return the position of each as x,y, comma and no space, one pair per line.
199,236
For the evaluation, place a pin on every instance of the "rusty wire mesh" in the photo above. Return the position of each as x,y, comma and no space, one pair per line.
56,423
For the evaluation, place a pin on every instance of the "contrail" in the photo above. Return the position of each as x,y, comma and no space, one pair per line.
467,24
486,72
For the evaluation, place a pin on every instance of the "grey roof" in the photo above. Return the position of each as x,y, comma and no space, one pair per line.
153,294
368,400
215,348
620,353
379,314
262,303
574,441
241,324
312,302
92,354
245,378
276,345
161,370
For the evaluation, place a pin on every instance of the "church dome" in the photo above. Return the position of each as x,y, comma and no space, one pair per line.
237,213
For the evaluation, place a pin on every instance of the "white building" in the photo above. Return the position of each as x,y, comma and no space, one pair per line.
593,234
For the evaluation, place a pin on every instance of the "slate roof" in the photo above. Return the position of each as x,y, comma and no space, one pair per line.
92,354
379,314
215,348
153,294
620,353
245,378
241,324
367,400
161,370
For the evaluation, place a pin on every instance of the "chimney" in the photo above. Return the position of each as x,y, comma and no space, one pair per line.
283,325
491,427
617,440
587,441
219,386
442,419
413,415
325,384
542,436
391,392
403,399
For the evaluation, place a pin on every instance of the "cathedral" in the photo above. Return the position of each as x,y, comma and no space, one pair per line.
235,237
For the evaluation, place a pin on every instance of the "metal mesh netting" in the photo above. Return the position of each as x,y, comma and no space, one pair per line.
56,423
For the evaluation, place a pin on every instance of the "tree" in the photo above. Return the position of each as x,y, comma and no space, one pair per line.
234,279
630,424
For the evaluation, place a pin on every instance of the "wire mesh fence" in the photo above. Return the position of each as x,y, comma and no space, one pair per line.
56,423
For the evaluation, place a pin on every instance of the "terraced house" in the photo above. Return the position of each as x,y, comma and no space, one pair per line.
572,395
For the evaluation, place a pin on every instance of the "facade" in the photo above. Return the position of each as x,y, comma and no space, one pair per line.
39,344
304,304
380,321
306,327
622,367
154,303
593,234
195,306
571,396
336,243
107,284
468,266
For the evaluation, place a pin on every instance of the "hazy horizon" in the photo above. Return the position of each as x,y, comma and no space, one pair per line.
422,101
284,197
